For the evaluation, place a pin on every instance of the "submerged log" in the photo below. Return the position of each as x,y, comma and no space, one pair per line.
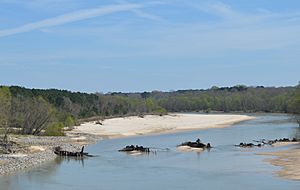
60,152
248,145
264,142
196,144
134,148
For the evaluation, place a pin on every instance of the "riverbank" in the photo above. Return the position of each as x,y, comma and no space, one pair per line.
36,150
154,124
288,161
31,151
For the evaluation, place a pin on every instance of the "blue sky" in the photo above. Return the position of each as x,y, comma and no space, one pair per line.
105,46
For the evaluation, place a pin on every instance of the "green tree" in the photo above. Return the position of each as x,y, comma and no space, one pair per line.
5,106
294,101
297,104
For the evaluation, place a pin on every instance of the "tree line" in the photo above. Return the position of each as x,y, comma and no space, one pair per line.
36,111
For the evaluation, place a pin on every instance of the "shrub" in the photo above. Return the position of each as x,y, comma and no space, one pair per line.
208,110
69,122
55,129
161,111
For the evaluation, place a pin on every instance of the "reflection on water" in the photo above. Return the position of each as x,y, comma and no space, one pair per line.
79,160
297,133
223,167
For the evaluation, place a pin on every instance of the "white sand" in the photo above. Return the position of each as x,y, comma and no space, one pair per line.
37,148
288,160
80,138
152,124
134,153
17,155
279,144
189,149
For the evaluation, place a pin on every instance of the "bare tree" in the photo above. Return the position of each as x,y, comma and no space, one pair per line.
36,114
70,107
297,118
5,105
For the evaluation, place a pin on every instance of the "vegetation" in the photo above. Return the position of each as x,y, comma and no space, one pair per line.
5,105
296,104
55,129
37,111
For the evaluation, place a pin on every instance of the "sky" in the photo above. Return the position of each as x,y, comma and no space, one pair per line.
135,45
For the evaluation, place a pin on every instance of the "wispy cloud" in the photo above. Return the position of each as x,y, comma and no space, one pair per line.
143,14
229,14
220,9
70,17
237,32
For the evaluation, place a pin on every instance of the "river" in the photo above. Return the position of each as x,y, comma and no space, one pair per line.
224,167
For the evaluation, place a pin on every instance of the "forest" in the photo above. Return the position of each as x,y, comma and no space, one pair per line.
48,111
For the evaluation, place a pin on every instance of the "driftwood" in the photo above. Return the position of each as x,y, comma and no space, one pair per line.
135,148
7,146
99,122
264,142
60,152
196,144
248,145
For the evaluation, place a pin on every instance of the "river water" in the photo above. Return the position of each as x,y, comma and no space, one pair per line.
224,167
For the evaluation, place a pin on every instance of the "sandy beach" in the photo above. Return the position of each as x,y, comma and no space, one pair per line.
153,124
288,160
